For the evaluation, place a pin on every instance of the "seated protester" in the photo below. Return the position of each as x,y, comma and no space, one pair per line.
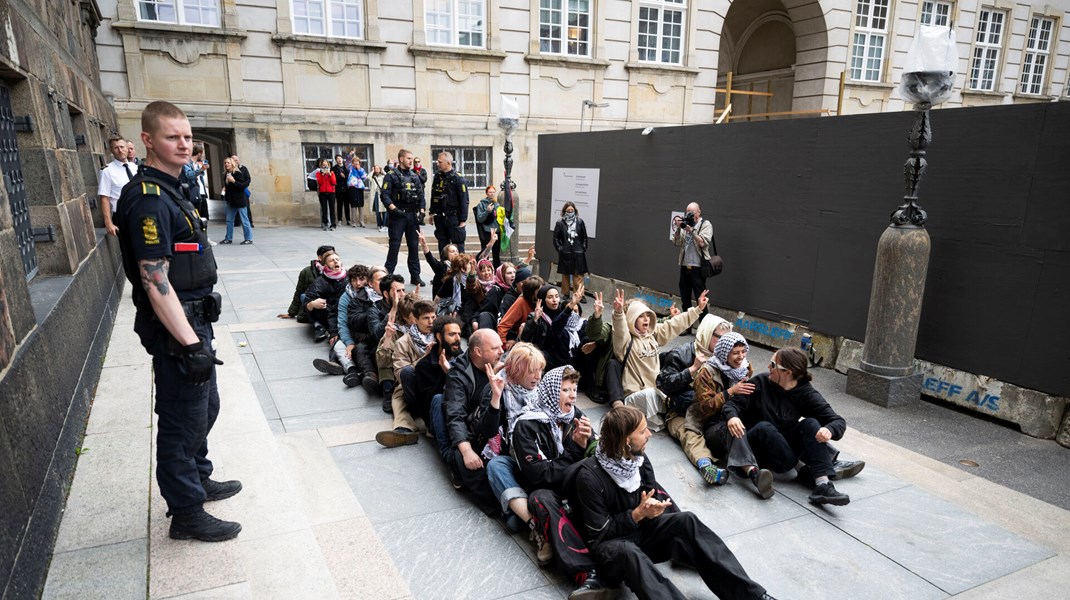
555,327
414,342
438,267
424,396
381,378
550,437
397,318
359,296
781,424
523,370
510,323
511,294
630,522
488,311
305,279
321,298
636,339
477,288
450,296
677,380
469,418
340,358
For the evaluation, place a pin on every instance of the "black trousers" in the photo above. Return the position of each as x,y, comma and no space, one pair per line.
475,482
496,249
614,380
186,415
570,551
447,232
344,194
403,222
328,209
692,284
418,407
781,449
681,536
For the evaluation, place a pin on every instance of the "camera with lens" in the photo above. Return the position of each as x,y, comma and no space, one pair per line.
689,219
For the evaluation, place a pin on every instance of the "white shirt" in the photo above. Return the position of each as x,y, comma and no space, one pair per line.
112,179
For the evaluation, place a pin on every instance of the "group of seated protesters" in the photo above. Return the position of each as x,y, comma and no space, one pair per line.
503,414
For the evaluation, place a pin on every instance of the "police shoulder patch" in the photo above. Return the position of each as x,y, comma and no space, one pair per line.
149,189
148,230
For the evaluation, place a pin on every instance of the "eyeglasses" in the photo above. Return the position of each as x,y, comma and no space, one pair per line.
773,365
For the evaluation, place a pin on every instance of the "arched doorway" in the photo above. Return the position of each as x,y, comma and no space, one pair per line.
778,48
758,49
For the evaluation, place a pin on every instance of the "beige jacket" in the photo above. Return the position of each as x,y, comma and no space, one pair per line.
705,231
641,369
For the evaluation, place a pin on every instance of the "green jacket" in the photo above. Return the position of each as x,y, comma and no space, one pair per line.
304,279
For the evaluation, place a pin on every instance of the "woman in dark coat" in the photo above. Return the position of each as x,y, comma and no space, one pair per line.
570,241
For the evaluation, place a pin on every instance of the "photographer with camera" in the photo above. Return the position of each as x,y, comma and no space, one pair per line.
693,235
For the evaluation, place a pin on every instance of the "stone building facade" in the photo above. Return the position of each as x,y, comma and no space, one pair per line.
59,277
282,82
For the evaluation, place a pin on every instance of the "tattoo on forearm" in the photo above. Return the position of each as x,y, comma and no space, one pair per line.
154,274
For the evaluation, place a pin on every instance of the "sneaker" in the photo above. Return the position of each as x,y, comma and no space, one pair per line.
388,404
225,242
763,481
320,335
544,552
382,230
246,242
591,589
328,367
417,281
370,383
713,475
455,479
846,469
220,490
352,378
325,228
827,493
203,527
332,227
400,436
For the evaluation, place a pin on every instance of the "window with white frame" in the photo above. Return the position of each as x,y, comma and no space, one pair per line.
565,27
471,162
1037,51
936,13
182,12
332,18
456,22
661,31
984,64
870,36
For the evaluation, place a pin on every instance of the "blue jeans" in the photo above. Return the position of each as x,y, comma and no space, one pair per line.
246,230
438,425
502,473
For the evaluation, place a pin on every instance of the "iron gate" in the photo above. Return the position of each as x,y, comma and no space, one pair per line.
13,182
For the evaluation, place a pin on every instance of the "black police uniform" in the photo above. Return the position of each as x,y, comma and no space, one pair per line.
449,206
156,221
403,189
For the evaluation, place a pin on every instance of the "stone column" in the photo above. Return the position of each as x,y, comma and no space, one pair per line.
888,376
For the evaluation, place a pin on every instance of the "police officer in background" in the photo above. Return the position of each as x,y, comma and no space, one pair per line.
169,262
403,195
449,204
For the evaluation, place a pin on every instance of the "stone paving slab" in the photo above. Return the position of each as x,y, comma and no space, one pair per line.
110,572
952,549
108,496
114,410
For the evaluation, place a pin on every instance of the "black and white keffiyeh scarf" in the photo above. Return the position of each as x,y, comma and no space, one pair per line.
623,471
515,400
547,408
719,360
422,341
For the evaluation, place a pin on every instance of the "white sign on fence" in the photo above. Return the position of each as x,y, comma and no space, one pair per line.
579,186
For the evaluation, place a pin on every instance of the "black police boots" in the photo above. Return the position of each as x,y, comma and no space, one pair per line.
203,527
220,490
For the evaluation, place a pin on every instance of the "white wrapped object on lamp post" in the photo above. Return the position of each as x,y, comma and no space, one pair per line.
929,72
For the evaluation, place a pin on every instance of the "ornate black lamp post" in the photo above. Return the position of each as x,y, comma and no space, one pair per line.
508,122
887,374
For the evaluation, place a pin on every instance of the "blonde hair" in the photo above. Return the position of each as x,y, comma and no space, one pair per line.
524,358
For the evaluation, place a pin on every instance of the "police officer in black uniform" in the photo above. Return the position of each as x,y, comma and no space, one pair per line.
403,195
449,204
169,262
